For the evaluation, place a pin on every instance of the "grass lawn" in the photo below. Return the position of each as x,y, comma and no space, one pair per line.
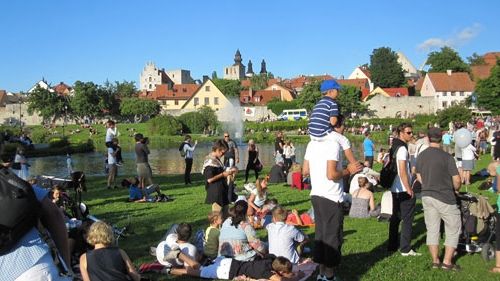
364,249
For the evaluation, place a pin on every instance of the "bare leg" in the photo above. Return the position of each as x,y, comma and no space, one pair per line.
434,251
448,255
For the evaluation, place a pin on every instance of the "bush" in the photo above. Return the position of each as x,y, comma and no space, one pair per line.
192,122
456,113
58,142
39,136
165,125
277,106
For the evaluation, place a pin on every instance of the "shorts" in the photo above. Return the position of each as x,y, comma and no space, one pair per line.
144,171
467,165
219,269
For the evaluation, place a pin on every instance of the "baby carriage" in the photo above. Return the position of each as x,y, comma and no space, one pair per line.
478,226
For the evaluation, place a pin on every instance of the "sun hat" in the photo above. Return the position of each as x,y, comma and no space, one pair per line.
329,85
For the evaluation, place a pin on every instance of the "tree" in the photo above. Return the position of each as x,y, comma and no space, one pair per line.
488,91
230,88
209,116
139,108
259,81
87,100
455,113
446,59
165,125
277,106
125,89
214,75
476,59
385,69
309,95
349,101
49,105
192,122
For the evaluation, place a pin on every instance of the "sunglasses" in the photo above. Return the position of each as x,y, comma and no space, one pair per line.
226,136
409,133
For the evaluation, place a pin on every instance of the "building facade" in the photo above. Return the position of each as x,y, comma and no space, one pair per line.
152,76
447,89
237,70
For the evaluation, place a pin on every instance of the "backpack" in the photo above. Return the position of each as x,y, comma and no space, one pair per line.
181,150
19,207
390,169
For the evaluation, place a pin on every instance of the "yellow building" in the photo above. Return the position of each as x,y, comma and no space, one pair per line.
286,93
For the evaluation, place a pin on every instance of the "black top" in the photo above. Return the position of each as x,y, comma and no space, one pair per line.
252,155
437,168
277,146
496,151
257,269
106,264
217,190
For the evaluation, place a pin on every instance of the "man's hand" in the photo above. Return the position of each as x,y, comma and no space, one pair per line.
354,168
410,192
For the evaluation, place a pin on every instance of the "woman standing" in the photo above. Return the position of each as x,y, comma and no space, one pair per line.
287,155
468,159
253,159
215,178
23,166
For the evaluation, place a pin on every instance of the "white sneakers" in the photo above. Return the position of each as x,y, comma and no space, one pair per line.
411,253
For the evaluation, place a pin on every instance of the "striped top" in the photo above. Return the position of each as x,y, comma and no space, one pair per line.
319,123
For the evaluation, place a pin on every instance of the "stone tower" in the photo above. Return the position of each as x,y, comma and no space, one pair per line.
250,72
237,70
263,67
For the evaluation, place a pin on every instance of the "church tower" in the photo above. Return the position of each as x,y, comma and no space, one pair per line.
237,70
263,67
250,69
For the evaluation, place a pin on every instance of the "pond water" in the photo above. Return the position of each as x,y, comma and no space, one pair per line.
163,161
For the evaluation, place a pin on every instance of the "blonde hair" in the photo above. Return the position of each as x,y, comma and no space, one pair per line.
280,214
213,216
100,233
260,187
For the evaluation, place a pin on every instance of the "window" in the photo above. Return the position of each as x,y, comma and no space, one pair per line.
207,88
176,102
150,86
227,71
207,101
164,102
150,78
461,94
184,90
445,94
453,94
196,101
444,104
216,100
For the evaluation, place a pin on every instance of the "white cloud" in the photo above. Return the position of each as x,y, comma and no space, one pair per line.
460,38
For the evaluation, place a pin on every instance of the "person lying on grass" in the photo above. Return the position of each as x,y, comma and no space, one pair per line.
136,194
270,267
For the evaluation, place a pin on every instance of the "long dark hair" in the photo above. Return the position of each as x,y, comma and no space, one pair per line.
238,212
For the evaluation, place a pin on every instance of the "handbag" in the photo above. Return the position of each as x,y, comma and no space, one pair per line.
258,165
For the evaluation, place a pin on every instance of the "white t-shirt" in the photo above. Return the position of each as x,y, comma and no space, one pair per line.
111,133
282,238
334,136
397,185
318,153
468,152
186,248
111,158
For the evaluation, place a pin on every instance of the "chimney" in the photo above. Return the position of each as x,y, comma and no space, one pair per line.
205,78
448,72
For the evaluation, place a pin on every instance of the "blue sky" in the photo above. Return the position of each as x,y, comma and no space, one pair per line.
95,40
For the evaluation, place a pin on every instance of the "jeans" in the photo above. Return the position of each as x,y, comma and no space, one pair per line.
187,171
403,211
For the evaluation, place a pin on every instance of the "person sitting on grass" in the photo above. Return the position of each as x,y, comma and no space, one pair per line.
211,239
257,199
284,239
177,240
269,268
137,194
305,219
106,261
363,201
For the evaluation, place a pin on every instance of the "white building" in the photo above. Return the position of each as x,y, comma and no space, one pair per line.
180,76
237,70
152,76
408,68
448,88
362,72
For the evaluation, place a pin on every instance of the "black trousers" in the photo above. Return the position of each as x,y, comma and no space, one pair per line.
329,221
403,211
187,171
247,171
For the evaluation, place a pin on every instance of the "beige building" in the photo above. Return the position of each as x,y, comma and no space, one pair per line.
152,76
448,88
286,94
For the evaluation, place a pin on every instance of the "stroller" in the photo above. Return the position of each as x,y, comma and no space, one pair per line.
478,232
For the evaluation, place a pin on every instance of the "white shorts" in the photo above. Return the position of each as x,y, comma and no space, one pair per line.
217,270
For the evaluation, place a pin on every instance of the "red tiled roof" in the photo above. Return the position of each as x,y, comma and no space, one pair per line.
261,97
61,88
300,81
396,92
358,83
178,92
364,93
366,72
480,71
420,83
491,58
457,81
246,83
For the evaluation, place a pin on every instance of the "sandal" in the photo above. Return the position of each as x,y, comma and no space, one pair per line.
436,265
450,267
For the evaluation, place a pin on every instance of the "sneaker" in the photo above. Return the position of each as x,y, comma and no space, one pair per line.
324,278
411,253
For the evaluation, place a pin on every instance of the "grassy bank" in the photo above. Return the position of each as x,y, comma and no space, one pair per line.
364,254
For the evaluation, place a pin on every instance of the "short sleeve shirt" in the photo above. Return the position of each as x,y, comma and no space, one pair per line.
397,185
282,239
319,123
368,147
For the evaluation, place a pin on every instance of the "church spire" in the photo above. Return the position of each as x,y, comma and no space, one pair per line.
263,67
250,68
237,57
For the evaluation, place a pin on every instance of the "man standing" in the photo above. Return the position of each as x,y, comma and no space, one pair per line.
437,172
368,148
141,159
323,164
188,158
231,157
447,138
403,198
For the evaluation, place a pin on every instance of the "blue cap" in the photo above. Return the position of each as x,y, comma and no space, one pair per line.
329,85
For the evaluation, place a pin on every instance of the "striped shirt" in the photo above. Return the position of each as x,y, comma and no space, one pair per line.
319,123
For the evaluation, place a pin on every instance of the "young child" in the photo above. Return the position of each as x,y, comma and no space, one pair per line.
178,240
257,198
284,238
112,133
211,238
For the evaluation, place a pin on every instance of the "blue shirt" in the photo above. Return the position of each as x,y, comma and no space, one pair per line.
368,147
319,123
28,251
447,139
135,193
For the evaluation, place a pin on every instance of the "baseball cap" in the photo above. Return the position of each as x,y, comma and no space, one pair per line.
329,85
434,134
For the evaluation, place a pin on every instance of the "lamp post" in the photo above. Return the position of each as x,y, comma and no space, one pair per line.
64,119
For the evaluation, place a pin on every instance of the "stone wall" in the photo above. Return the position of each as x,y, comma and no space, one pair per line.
380,106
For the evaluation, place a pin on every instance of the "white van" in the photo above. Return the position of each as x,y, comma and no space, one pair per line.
293,114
